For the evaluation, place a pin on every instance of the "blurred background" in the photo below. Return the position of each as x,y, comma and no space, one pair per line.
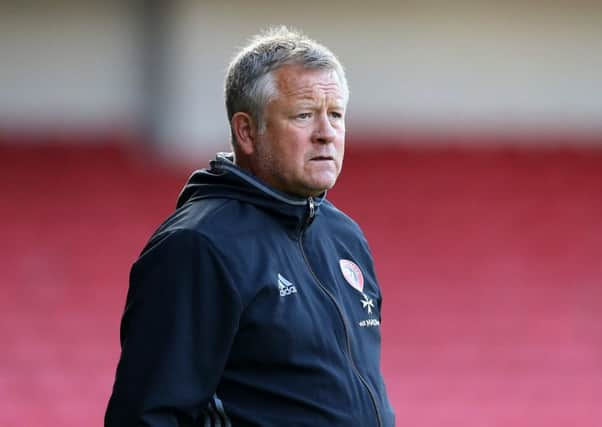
474,165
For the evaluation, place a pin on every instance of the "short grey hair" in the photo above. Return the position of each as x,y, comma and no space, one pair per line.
249,84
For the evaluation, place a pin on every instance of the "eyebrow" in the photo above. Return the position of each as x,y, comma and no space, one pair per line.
310,102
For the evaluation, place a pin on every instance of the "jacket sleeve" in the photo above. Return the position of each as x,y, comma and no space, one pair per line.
181,316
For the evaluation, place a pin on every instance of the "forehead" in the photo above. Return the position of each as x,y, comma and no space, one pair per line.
294,82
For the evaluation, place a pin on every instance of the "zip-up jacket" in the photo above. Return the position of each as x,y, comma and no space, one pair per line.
251,307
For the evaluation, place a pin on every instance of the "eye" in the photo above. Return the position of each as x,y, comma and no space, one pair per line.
304,116
336,115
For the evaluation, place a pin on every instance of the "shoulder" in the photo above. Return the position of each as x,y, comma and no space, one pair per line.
215,239
224,225
337,220
192,222
212,218
335,225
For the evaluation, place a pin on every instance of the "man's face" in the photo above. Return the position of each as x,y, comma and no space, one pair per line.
301,149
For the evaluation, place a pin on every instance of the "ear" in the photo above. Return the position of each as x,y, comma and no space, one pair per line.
244,129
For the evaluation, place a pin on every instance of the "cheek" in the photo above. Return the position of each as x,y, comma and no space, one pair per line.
296,145
340,145
286,156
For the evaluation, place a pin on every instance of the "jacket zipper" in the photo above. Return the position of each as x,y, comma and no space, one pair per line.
339,310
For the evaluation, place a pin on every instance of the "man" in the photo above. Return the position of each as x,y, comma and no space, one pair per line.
255,303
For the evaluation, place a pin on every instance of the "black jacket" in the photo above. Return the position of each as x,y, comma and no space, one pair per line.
249,307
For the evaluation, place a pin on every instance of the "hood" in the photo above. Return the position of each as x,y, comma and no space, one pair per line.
223,179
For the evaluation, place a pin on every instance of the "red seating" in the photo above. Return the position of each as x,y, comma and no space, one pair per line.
489,261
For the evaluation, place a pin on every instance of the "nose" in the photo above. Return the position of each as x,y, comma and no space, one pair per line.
324,131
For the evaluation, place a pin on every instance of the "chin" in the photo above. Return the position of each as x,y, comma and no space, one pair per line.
321,187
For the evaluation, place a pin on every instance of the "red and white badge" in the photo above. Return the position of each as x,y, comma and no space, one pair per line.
352,273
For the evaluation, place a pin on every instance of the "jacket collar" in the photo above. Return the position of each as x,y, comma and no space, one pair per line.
224,179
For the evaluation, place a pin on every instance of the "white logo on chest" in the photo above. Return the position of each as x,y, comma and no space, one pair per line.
367,303
352,274
285,286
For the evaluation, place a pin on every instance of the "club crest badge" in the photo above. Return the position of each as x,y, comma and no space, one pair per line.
353,274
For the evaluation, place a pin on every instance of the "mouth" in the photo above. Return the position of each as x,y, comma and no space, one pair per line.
322,158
